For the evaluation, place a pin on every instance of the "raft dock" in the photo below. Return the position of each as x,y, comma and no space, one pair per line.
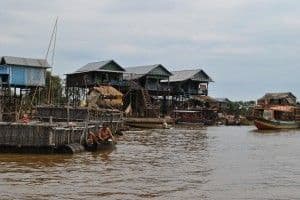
41,137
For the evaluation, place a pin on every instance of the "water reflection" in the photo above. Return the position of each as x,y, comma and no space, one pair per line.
104,155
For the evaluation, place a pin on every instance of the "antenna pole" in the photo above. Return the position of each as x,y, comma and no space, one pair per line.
52,40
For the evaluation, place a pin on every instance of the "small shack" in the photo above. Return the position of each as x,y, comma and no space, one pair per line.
281,98
189,82
223,104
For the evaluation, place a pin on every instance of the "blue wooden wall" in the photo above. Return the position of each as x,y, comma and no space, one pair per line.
24,76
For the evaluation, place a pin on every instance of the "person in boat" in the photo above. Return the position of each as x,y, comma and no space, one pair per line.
25,119
105,134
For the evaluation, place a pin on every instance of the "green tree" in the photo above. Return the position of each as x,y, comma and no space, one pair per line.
52,93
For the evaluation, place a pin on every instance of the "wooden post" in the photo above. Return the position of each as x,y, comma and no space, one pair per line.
1,98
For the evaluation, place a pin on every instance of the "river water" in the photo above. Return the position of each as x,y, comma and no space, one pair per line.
211,163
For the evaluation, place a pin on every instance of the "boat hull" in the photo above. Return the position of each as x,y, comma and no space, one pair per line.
149,123
100,146
264,124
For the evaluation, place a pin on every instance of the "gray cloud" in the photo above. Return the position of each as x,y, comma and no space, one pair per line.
247,46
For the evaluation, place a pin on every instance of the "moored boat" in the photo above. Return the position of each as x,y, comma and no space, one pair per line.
149,123
265,124
277,111
100,146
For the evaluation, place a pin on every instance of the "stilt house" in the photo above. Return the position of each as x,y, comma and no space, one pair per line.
96,73
103,73
26,76
145,84
188,82
23,72
149,77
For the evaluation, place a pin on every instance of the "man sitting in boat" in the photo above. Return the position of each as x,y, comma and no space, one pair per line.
25,119
105,134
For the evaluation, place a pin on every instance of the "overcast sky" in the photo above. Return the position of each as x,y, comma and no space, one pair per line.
248,47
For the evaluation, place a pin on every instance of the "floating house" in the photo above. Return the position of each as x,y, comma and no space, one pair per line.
281,98
149,77
96,73
20,72
188,82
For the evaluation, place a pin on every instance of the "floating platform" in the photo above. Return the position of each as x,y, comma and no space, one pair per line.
40,137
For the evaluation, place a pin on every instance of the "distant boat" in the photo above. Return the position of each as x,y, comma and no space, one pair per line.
276,117
149,123
265,124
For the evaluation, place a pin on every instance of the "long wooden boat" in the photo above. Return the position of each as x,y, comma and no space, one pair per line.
149,123
100,146
264,124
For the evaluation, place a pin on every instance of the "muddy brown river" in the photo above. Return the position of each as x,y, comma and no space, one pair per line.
212,163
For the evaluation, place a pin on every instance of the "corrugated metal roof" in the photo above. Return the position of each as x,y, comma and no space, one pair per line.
279,95
96,66
185,75
31,62
141,70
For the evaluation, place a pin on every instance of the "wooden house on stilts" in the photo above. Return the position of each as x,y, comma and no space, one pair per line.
92,75
20,77
145,85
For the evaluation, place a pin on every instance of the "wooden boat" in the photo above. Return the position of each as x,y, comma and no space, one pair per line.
100,146
149,123
276,117
265,124
195,117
